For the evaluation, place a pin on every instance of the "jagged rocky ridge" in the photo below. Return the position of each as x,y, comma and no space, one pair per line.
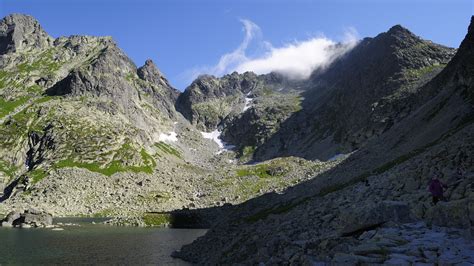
343,216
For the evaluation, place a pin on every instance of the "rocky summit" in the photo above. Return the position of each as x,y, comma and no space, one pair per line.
330,169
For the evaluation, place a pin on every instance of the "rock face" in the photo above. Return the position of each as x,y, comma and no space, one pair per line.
20,32
457,213
27,219
167,95
209,100
247,109
361,220
359,96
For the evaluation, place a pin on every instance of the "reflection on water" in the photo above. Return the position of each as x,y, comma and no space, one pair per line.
93,244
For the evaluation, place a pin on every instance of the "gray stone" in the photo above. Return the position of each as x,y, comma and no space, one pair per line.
30,218
451,214
366,218
20,32
6,224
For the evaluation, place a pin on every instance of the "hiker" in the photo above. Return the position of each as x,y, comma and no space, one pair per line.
436,188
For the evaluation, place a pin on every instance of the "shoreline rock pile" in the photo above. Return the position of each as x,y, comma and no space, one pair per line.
30,218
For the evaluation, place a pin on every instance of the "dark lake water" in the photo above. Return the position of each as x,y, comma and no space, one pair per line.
93,244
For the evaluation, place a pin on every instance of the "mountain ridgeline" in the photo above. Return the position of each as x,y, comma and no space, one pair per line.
84,131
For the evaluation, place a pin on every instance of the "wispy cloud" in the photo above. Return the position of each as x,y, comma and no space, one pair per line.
296,60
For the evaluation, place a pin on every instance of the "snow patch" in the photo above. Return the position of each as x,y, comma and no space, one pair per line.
216,137
170,137
342,156
248,102
337,157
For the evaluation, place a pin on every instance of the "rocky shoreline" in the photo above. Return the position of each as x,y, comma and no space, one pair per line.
30,218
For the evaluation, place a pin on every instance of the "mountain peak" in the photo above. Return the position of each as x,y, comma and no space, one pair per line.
149,71
470,31
398,29
20,32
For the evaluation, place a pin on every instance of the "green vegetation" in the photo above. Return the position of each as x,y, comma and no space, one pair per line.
260,170
267,91
3,76
157,219
416,73
14,129
168,149
266,170
246,153
8,169
116,165
296,103
44,99
7,107
148,159
215,109
105,213
130,76
250,181
45,63
37,175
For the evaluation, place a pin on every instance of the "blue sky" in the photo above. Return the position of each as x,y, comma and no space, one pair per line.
185,38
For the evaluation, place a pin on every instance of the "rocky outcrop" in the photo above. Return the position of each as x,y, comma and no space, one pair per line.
457,213
264,113
158,86
360,220
104,77
151,73
29,218
21,32
209,100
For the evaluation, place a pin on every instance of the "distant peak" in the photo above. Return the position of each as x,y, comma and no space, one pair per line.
471,26
19,31
397,29
150,63
149,71
16,18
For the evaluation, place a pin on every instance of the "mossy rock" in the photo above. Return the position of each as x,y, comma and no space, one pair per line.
157,219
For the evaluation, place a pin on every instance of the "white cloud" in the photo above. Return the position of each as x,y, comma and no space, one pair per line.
296,60
234,59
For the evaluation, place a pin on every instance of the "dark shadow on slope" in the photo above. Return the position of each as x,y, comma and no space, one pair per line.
7,192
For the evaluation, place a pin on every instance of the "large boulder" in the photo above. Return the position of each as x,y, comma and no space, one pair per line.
11,217
366,218
30,218
457,213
